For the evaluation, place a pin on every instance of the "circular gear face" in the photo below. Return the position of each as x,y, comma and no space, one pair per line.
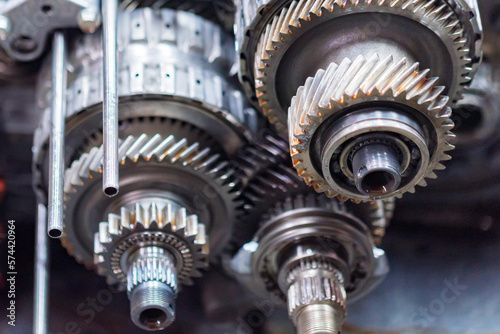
174,231
152,167
283,57
335,93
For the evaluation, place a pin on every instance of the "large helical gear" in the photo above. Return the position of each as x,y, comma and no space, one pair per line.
179,233
349,86
293,22
208,183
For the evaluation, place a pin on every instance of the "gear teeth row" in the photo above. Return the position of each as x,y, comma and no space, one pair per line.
269,150
283,30
320,288
146,148
159,227
358,81
305,200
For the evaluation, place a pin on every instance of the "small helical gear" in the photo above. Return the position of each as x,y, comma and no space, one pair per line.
180,234
367,80
292,22
170,157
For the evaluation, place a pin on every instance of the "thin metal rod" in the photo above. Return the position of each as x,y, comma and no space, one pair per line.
110,185
42,273
58,114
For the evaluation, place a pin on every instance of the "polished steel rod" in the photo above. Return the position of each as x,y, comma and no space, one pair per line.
110,184
41,273
58,114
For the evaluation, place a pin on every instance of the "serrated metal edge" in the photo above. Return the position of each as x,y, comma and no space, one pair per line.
282,30
362,80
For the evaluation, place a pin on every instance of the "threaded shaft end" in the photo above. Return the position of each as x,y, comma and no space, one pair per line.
152,287
319,319
152,305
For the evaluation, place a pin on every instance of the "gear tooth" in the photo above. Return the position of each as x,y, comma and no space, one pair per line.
439,166
104,236
173,152
180,220
423,183
133,152
125,218
192,225
432,175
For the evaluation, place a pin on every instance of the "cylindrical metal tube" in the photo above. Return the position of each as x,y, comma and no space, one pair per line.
58,114
110,104
376,170
41,273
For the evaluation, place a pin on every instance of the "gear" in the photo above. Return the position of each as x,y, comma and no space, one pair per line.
314,281
439,21
348,86
173,65
171,169
178,233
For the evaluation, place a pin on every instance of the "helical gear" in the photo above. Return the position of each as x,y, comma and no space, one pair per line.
296,19
168,154
366,80
177,232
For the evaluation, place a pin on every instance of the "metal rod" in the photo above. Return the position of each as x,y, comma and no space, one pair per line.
42,271
110,185
58,114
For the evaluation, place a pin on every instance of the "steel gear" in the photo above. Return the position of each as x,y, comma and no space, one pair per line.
173,65
295,21
173,170
349,86
175,231
149,250
311,237
267,30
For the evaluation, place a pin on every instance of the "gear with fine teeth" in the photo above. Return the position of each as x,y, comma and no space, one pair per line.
308,25
170,170
178,233
331,102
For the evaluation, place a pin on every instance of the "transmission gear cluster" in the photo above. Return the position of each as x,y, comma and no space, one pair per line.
168,146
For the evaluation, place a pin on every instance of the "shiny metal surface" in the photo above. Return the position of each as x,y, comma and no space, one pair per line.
376,170
190,145
57,120
42,274
110,179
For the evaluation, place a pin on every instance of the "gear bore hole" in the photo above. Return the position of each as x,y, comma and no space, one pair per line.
378,182
152,318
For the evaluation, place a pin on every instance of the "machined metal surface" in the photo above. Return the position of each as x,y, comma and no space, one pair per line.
25,25
42,269
57,120
270,25
110,179
191,85
327,121
150,250
188,174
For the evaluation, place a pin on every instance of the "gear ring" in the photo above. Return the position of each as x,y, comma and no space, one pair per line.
292,22
349,85
180,234
211,192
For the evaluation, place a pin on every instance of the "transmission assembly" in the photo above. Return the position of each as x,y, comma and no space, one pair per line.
170,147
